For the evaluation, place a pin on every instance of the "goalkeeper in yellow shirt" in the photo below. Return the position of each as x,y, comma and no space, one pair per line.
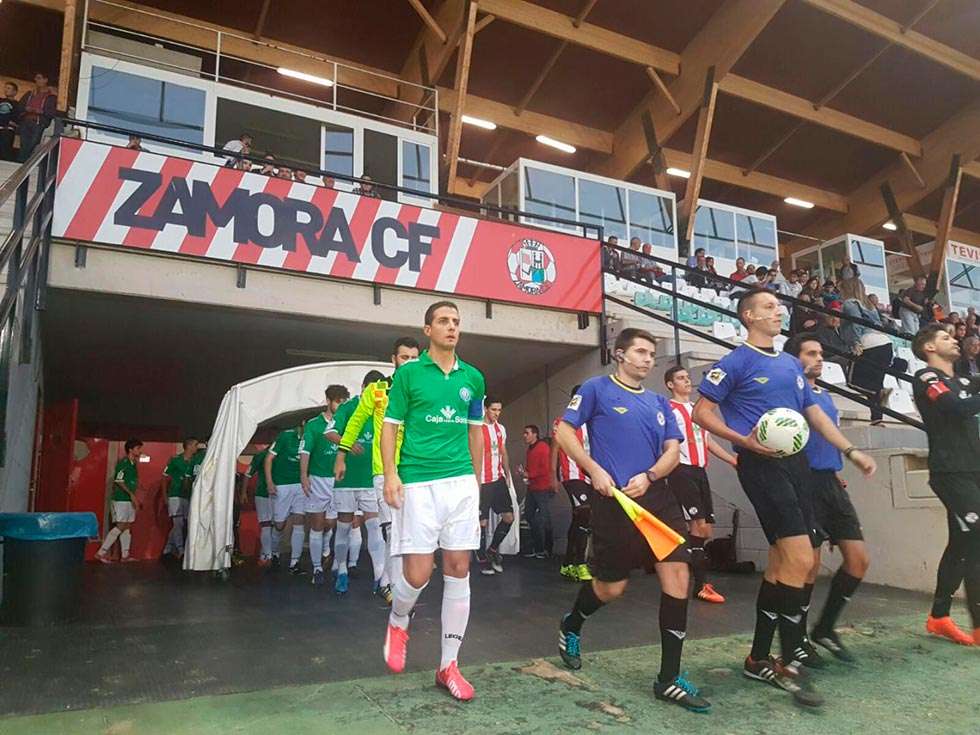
372,405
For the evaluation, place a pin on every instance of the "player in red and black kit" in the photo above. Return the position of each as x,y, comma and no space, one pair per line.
689,482
949,407
495,483
566,474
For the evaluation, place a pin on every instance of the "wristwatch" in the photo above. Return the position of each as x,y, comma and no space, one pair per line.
849,451
651,476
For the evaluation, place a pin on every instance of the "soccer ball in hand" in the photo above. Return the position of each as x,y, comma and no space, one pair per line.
783,430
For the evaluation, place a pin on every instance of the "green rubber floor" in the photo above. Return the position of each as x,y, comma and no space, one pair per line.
906,682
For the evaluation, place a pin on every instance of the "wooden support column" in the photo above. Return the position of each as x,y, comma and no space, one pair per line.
945,225
584,13
462,79
659,84
71,45
429,20
911,167
484,22
699,155
902,230
657,158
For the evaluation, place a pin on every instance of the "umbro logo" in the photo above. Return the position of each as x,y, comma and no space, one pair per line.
620,409
761,381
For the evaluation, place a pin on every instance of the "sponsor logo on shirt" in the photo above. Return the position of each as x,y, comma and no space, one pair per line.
620,409
761,381
715,376
575,402
447,415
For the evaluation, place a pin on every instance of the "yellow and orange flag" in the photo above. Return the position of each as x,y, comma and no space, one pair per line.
662,538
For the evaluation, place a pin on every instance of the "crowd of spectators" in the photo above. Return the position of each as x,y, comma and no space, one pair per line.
25,118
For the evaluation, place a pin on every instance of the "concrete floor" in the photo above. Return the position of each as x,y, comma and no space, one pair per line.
155,647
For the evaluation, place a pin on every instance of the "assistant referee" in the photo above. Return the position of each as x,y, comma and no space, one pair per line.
634,442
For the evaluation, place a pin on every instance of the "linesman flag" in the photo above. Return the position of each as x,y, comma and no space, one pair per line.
662,538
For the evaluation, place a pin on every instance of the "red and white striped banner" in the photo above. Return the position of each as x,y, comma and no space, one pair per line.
136,199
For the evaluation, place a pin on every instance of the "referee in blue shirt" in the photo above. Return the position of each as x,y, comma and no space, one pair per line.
837,520
634,442
747,382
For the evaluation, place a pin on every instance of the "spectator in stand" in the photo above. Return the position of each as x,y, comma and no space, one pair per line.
629,262
366,188
243,145
971,321
696,278
757,278
610,256
328,182
709,266
284,172
8,121
36,110
300,176
540,489
913,303
803,319
792,286
959,333
830,337
969,362
847,270
135,143
692,260
739,273
269,167
876,351
830,293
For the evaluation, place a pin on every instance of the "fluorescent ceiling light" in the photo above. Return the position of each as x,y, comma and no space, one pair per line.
304,76
480,123
545,140
799,202
890,226
678,172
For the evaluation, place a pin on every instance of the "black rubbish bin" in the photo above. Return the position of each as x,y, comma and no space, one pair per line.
43,559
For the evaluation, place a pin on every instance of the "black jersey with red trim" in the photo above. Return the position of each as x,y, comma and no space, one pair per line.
949,406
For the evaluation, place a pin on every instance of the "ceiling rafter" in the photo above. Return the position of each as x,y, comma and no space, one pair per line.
891,30
463,60
427,18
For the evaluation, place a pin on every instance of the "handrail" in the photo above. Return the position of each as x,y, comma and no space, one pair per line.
722,343
809,305
223,154
721,310
23,171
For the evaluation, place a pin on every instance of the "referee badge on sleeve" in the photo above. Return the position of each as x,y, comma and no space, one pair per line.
575,402
715,376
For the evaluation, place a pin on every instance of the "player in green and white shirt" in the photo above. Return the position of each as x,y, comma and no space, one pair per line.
178,477
316,457
263,508
123,503
433,490
281,470
355,492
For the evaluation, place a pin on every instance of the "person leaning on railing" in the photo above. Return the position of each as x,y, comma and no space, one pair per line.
873,347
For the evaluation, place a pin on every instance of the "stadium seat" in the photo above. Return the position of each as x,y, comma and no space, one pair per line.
833,374
724,330
901,402
779,342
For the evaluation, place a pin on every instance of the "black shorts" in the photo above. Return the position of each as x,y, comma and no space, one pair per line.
579,492
835,515
495,495
960,493
618,547
690,486
779,490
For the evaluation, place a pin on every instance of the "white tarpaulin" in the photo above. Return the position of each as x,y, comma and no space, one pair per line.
210,533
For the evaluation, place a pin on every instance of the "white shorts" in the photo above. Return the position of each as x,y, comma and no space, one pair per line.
352,500
122,511
321,498
263,509
290,499
384,510
178,506
442,514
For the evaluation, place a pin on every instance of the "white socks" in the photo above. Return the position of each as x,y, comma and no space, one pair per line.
354,549
265,539
327,536
340,545
110,539
405,597
125,538
316,549
296,544
388,576
376,547
455,615
276,539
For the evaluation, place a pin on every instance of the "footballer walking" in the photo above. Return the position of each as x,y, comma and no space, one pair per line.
432,488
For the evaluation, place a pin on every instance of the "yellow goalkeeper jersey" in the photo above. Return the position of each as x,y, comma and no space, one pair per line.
373,403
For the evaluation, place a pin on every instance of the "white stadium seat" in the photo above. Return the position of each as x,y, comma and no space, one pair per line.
833,374
724,330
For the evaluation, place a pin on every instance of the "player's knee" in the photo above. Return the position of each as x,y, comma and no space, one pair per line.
609,591
857,562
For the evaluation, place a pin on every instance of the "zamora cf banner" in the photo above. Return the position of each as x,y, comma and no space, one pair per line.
136,199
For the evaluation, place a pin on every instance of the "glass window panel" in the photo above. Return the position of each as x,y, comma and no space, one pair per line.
964,285
870,260
338,153
756,239
146,105
714,230
652,220
603,205
415,166
509,193
549,194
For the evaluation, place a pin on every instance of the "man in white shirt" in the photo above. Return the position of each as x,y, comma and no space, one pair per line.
242,145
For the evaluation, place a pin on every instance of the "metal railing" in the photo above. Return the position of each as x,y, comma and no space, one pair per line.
675,323
25,249
217,64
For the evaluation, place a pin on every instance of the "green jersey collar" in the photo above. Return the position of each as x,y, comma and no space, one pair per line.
426,360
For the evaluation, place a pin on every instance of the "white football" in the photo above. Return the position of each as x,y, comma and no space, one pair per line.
783,430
